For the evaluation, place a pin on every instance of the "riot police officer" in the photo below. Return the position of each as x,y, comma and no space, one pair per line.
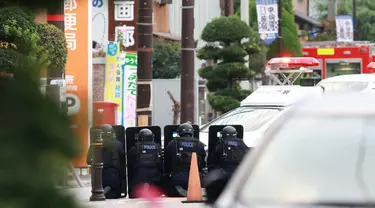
177,158
229,151
145,161
112,152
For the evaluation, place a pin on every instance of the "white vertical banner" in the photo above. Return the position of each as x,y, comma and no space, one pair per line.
344,28
268,20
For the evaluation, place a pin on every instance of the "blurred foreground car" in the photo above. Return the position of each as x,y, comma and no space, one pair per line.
321,152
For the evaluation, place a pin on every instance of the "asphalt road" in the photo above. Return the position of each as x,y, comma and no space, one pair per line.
83,195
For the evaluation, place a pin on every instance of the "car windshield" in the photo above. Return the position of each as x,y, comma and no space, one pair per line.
323,159
249,117
344,86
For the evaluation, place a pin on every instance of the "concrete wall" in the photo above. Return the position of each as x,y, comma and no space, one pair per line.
162,105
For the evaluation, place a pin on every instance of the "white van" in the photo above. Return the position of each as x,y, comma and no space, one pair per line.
260,109
363,83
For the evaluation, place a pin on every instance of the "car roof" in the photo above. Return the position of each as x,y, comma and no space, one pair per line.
351,78
280,95
338,104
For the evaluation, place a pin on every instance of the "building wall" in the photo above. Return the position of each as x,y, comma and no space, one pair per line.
162,105
161,18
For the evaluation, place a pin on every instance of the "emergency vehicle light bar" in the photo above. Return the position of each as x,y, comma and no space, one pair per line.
371,66
289,68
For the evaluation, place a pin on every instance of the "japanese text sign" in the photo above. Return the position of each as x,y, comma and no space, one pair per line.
344,28
268,20
78,70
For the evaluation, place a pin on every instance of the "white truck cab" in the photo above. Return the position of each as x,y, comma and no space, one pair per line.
258,111
362,83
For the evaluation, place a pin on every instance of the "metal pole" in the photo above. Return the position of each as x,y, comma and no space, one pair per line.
280,12
245,11
97,167
229,7
355,32
187,62
144,52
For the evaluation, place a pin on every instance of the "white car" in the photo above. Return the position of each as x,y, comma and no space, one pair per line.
319,154
363,83
260,109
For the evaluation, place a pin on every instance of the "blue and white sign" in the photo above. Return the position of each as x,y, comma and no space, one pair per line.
344,28
268,20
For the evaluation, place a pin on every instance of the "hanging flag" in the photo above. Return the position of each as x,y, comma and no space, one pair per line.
268,20
113,78
344,28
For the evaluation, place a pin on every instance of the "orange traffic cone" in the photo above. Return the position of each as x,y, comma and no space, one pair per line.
194,193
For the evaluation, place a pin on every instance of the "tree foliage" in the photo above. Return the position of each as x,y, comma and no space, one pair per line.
19,30
53,41
227,49
365,16
166,60
290,41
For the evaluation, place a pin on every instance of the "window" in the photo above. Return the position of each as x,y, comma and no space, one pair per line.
344,86
250,118
333,163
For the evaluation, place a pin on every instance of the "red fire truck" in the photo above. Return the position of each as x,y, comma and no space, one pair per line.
337,59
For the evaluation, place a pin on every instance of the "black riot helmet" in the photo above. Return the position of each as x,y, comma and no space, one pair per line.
145,135
185,130
229,132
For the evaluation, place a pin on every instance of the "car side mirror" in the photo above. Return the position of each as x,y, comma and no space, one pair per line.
215,182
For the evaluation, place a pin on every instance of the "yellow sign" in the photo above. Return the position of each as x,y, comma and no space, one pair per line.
114,78
326,51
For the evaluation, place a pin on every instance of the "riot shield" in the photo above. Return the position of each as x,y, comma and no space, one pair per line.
214,136
131,139
170,131
120,136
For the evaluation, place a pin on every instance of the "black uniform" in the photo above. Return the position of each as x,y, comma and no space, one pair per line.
145,161
178,153
229,151
113,174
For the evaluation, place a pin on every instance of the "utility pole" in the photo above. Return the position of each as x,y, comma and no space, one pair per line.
229,8
332,10
245,11
187,62
280,12
144,62
355,32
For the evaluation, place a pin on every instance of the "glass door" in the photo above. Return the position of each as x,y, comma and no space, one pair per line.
335,68
313,78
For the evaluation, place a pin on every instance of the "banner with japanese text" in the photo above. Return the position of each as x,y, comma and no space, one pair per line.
130,91
344,28
113,78
268,20
77,21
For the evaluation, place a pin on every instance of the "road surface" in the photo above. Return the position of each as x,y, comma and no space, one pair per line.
83,195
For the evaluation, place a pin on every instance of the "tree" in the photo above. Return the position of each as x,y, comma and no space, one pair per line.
226,50
19,31
166,60
291,44
53,41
